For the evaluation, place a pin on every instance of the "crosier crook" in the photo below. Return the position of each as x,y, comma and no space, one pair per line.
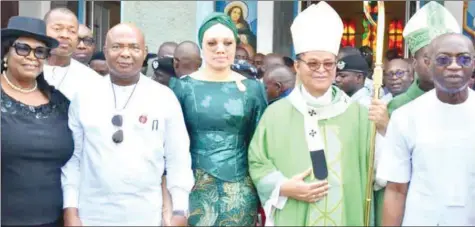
377,83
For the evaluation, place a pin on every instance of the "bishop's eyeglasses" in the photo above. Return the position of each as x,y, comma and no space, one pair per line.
315,65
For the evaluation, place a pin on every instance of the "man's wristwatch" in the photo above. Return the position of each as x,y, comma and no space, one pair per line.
180,213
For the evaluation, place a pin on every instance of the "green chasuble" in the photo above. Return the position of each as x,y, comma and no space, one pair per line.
279,150
412,93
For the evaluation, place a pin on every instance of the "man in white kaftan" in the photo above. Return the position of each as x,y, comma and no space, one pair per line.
434,151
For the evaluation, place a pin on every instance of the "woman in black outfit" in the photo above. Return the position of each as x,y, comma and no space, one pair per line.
35,139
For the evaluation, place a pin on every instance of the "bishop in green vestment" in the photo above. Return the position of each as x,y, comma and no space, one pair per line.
315,117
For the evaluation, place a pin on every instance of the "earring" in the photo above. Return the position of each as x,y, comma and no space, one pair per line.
5,63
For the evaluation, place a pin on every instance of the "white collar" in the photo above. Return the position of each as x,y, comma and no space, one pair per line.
323,100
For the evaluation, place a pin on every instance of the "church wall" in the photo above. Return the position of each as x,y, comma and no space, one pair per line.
162,21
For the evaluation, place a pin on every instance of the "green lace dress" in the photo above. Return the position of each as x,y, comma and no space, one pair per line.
221,120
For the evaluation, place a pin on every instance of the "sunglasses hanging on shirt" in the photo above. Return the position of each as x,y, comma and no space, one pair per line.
117,120
118,136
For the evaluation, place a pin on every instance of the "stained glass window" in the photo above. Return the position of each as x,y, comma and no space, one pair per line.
395,36
349,28
369,34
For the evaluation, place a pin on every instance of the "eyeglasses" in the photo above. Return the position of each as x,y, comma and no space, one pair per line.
24,50
88,41
118,136
463,61
315,65
397,73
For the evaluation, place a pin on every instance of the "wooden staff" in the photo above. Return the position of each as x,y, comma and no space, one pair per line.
377,82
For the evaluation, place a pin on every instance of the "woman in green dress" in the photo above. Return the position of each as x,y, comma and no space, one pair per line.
221,110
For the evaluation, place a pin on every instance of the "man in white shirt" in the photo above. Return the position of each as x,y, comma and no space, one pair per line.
61,71
122,133
434,151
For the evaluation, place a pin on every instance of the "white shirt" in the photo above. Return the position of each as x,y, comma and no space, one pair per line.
120,184
368,84
363,97
71,78
387,98
430,144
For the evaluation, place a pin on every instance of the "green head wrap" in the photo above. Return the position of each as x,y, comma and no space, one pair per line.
213,19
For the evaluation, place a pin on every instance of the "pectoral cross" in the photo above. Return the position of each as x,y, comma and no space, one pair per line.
312,133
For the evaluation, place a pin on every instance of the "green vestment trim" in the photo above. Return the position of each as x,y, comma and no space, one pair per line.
412,93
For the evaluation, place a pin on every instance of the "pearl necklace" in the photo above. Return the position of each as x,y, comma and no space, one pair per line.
22,90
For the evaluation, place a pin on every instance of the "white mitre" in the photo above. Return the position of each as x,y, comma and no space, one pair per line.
430,21
317,28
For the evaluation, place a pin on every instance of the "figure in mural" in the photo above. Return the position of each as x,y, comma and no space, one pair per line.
239,12
469,18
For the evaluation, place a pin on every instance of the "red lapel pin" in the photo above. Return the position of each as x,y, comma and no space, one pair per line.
143,119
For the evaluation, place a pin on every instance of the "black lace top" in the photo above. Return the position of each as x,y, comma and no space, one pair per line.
35,142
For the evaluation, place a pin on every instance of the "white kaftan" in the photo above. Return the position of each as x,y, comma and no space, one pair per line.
430,144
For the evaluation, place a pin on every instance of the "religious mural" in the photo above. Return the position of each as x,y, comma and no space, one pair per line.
469,18
244,15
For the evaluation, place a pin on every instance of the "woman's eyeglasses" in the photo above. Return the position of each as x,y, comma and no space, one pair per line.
88,41
24,50
118,136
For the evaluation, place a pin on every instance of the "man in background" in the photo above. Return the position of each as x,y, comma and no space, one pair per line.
163,71
241,54
258,62
271,60
398,76
145,62
186,59
279,81
167,49
98,63
289,62
86,45
61,70
351,73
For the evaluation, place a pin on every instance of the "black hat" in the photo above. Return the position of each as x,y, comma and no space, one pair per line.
31,27
352,63
148,57
98,56
164,64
